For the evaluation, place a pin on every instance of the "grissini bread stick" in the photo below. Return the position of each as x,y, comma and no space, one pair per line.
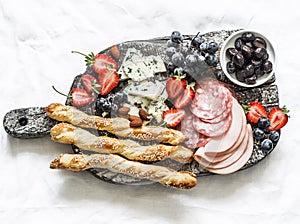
118,126
69,134
115,163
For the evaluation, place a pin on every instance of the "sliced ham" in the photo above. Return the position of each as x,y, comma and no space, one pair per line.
200,153
241,161
220,145
236,155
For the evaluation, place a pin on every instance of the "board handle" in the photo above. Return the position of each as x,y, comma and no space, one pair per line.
31,122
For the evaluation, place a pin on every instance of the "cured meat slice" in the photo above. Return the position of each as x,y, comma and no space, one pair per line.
241,161
220,145
212,101
215,158
236,155
195,139
212,129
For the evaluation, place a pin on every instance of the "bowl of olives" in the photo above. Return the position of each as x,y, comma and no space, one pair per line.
247,58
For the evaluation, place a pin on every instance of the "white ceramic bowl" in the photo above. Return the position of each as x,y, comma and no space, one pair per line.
229,42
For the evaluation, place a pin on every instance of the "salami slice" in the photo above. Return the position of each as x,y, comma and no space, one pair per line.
195,139
212,102
212,129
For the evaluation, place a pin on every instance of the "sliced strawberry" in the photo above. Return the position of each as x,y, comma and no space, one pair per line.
185,97
90,83
173,117
80,97
99,62
254,111
108,80
104,62
278,117
175,86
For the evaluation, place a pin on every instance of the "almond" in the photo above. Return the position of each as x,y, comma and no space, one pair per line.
115,51
144,115
135,121
124,110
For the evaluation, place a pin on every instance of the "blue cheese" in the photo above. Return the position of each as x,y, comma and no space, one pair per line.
146,89
156,109
137,67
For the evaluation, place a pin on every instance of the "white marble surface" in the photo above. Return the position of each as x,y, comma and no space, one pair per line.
36,41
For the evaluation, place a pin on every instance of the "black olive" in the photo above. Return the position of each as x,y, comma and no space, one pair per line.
230,52
251,80
246,51
256,63
265,57
259,42
260,53
267,66
259,72
249,70
238,59
248,37
238,43
230,66
240,75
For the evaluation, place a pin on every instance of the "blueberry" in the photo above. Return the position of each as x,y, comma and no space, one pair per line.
106,107
274,136
266,145
171,67
184,50
263,122
170,51
258,133
197,41
176,37
178,71
204,46
178,59
191,60
99,103
212,47
211,59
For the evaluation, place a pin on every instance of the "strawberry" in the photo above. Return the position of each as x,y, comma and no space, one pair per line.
90,84
278,117
175,85
254,111
108,80
99,62
186,97
80,97
173,117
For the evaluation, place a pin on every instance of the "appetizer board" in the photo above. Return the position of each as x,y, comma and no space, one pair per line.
34,122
